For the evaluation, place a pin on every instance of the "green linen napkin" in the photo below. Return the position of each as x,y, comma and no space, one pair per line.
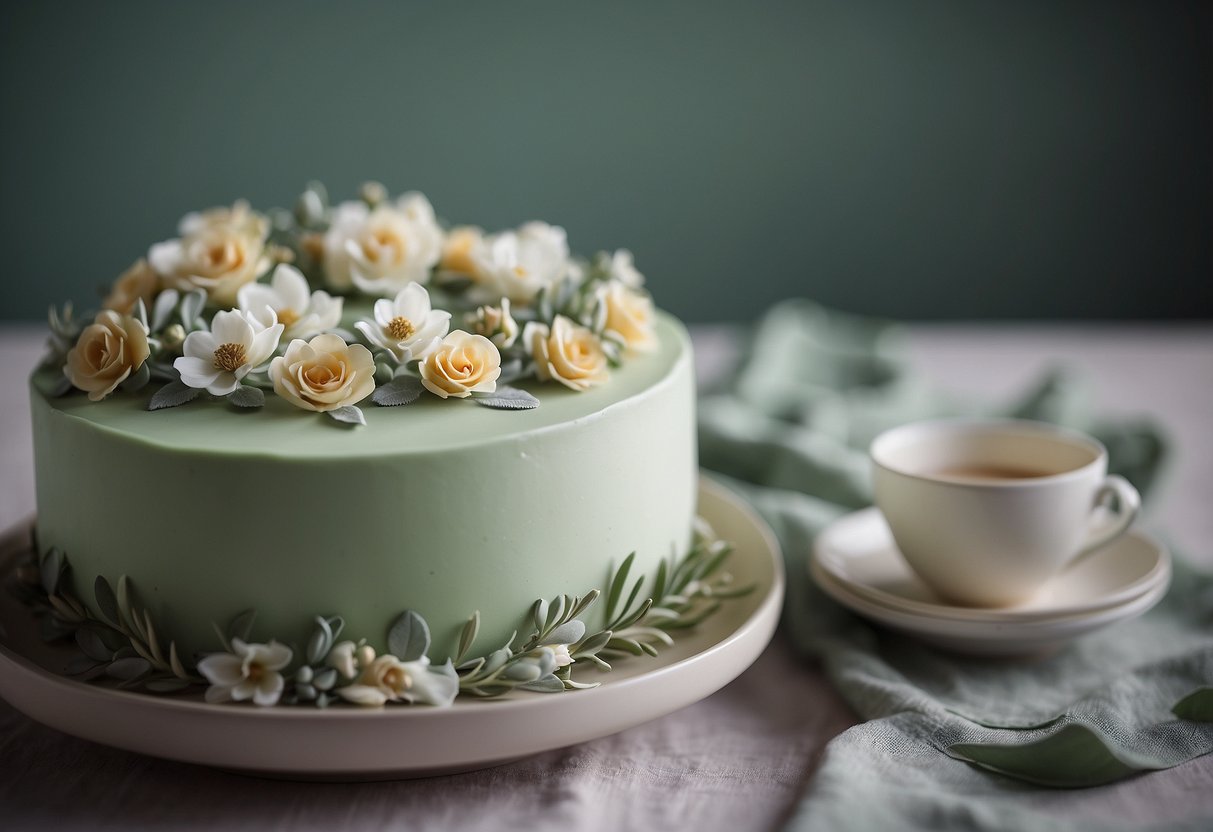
949,742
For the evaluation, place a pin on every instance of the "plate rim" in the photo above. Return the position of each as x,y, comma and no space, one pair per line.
1159,574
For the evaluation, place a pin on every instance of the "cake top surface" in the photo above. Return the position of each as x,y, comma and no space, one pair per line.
311,317
431,424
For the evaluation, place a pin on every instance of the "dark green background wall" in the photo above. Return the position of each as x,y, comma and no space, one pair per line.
919,159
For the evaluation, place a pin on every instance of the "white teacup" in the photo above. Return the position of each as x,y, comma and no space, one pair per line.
987,511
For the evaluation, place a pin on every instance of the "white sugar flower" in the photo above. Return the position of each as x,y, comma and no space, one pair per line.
382,249
344,659
386,679
219,250
250,671
218,360
496,324
517,264
561,654
620,268
406,326
301,312
567,353
323,374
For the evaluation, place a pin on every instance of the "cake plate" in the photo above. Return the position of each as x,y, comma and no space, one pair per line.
346,743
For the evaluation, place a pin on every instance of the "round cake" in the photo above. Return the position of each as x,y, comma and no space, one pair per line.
397,441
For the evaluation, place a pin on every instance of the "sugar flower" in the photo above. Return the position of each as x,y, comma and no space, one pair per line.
461,365
219,250
517,264
107,352
629,314
301,312
406,326
567,353
619,267
138,283
496,324
237,344
386,679
250,671
381,250
323,374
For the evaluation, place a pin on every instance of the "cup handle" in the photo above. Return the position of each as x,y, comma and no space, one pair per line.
1128,503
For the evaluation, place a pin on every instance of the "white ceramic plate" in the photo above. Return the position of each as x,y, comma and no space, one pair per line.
858,552
993,638
348,743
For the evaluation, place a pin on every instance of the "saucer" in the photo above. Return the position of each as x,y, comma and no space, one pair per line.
858,551
401,742
855,563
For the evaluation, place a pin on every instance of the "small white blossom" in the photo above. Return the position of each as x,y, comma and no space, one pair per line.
517,264
250,671
301,312
236,344
386,679
406,326
620,268
382,249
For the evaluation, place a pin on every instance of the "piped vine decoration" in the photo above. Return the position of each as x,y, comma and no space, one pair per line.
121,643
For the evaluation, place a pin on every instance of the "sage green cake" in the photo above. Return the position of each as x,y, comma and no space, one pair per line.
357,420
442,507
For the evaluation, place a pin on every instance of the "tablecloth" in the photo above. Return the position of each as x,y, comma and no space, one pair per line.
738,760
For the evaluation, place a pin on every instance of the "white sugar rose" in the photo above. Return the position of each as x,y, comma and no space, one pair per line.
567,353
138,283
630,316
462,364
219,250
619,267
517,264
287,296
250,671
237,344
108,350
496,324
324,373
406,326
381,250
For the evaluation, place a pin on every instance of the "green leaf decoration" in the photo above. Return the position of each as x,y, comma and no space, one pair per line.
80,664
91,645
246,396
408,639
139,312
348,415
107,602
508,398
321,642
62,387
50,570
1197,706
173,394
617,584
467,637
241,626
569,632
137,380
129,669
544,684
163,307
399,391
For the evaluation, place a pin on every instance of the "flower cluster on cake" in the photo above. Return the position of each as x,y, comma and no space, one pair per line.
241,304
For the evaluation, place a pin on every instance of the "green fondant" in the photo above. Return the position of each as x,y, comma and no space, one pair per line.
443,507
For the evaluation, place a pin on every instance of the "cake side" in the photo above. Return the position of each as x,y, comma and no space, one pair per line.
239,511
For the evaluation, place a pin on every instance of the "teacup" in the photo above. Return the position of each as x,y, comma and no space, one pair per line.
987,511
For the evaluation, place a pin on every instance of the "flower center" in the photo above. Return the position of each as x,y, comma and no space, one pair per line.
287,317
400,328
230,357
255,672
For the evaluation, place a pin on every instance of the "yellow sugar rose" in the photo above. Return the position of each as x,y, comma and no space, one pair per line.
107,352
630,316
139,282
219,250
567,353
324,373
462,364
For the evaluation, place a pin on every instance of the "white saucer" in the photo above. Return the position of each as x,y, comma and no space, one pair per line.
855,563
858,551
398,742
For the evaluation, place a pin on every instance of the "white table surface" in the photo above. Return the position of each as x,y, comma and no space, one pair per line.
738,760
